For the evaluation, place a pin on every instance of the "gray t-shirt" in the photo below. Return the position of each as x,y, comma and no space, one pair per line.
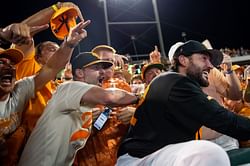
62,130
15,104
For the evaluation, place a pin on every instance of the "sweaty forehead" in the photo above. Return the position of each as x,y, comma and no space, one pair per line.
50,44
107,57
106,53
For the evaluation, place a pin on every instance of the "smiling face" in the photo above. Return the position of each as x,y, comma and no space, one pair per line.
198,68
7,76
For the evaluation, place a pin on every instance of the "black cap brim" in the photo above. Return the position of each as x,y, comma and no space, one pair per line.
216,57
105,64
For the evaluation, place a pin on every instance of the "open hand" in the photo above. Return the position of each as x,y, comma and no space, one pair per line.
77,33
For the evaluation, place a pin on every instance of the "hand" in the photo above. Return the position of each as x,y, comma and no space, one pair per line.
155,56
70,4
247,72
125,114
68,71
118,61
36,29
20,33
77,33
226,64
95,113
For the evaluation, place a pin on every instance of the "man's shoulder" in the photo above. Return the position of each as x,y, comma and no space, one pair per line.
168,80
25,80
24,86
170,77
74,85
165,82
171,74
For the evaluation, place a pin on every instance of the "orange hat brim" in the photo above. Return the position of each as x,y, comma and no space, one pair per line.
60,28
13,54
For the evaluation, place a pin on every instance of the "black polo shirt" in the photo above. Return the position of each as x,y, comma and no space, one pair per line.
173,110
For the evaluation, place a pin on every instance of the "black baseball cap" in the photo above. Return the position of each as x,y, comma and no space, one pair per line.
190,47
86,59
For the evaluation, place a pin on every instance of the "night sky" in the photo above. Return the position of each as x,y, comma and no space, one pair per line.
224,23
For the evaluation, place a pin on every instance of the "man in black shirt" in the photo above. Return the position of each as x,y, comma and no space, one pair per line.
173,109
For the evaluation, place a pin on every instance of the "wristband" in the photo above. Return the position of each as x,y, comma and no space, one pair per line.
229,72
54,7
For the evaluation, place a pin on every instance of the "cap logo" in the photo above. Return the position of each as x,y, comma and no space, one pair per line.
63,21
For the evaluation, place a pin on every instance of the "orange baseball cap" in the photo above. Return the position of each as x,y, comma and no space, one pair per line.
13,54
62,20
237,67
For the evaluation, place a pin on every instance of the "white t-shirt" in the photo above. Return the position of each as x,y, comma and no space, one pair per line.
15,103
62,130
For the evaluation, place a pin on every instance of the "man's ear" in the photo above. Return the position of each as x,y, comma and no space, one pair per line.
183,60
79,73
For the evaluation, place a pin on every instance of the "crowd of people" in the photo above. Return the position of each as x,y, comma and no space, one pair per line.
94,109
236,52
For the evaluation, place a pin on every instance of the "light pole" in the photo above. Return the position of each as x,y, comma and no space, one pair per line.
106,21
156,21
157,18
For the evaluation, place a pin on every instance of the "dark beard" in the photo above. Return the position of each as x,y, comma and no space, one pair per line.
195,73
198,78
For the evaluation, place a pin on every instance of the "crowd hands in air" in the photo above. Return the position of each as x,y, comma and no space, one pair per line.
98,108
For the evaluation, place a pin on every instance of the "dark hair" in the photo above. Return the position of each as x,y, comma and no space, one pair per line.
38,49
176,63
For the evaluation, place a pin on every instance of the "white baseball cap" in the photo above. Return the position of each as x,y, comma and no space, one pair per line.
172,51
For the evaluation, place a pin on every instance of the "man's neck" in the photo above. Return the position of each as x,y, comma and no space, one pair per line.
182,71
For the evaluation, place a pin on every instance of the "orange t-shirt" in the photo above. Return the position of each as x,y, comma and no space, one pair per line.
29,67
101,147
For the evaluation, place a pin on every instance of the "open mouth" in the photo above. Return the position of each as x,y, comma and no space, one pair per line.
100,80
6,79
205,74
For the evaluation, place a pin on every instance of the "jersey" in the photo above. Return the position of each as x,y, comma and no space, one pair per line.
173,109
63,128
